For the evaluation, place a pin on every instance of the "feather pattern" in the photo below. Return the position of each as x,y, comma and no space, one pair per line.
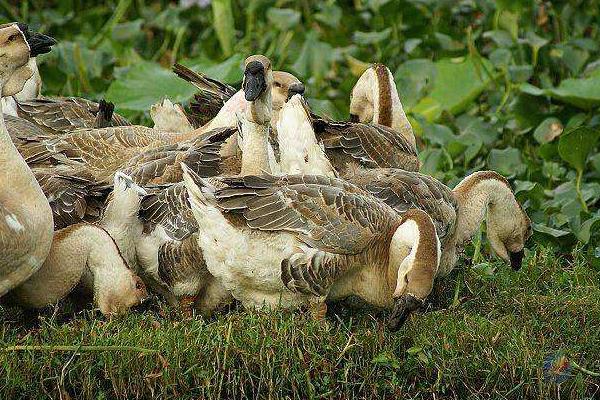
62,115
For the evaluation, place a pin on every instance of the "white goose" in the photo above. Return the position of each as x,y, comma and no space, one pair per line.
82,256
298,240
25,216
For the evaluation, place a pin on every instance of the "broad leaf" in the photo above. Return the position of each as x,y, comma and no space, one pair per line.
145,84
457,84
575,146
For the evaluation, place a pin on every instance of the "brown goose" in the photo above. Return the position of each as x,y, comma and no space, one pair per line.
166,248
298,240
456,213
25,216
348,145
157,233
83,255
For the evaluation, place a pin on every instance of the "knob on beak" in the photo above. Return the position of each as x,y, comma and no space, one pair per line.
296,88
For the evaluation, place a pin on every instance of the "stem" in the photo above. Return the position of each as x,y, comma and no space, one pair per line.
578,189
584,370
78,348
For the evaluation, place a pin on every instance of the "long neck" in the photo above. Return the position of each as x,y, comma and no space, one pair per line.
255,135
388,109
475,194
420,266
121,221
255,148
299,150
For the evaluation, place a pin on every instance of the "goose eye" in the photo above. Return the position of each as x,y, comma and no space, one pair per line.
406,278
139,285
277,84
12,37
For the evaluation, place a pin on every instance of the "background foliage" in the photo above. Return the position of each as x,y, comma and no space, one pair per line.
511,85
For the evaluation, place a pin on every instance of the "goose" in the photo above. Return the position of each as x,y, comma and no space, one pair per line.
83,256
375,99
213,94
297,240
25,216
156,230
158,234
457,213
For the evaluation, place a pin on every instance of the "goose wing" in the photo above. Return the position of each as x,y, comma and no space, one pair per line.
326,213
62,115
403,190
370,144
162,164
168,206
73,194
209,101
181,261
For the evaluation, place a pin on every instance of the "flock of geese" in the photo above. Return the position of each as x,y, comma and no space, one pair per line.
246,195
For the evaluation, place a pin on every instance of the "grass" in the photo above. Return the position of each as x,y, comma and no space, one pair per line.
487,336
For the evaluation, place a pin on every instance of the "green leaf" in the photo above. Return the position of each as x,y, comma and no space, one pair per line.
228,71
414,80
575,146
145,84
507,162
548,130
549,231
457,84
368,38
283,18
585,230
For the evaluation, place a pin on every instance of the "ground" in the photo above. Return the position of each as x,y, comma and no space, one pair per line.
490,333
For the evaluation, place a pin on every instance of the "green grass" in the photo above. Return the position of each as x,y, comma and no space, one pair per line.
486,336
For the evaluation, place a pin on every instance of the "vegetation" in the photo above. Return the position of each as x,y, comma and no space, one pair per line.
511,85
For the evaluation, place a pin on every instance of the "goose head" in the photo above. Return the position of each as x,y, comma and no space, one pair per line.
257,84
508,229
116,287
17,45
417,270
487,194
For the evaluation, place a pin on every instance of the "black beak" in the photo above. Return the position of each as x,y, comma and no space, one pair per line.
38,42
516,259
296,88
254,81
403,307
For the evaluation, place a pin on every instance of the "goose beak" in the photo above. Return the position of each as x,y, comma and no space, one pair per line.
254,81
516,259
403,307
39,43
296,88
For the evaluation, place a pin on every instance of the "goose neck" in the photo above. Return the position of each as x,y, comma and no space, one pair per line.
475,195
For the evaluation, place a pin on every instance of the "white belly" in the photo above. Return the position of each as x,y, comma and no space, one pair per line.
249,265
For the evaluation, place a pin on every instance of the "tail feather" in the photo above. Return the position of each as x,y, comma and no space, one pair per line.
203,82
